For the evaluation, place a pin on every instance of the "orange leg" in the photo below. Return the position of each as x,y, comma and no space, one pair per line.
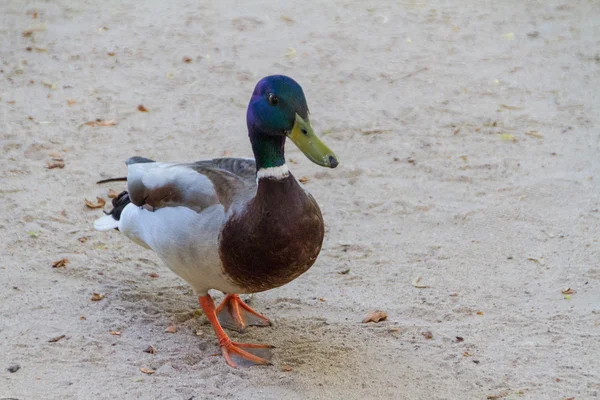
234,313
228,347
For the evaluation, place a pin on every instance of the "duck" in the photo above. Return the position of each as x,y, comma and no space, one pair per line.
235,225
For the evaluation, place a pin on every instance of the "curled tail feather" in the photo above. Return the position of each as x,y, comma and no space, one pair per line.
111,219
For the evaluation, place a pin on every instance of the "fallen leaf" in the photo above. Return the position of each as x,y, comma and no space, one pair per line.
467,354
374,131
304,179
115,333
70,102
100,122
56,164
83,239
479,312
286,368
147,371
141,108
497,396
100,202
509,107
322,299
112,193
187,60
56,339
416,283
150,350
34,234
171,328
49,84
568,291
535,134
62,263
427,334
291,52
153,275
541,262
375,316
287,19
97,296
111,54
82,318
508,137
199,332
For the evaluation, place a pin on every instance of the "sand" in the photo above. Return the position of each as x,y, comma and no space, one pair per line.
468,139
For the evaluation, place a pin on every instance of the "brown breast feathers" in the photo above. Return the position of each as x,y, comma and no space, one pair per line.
275,239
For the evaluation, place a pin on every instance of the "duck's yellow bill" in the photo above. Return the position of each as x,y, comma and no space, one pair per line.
313,148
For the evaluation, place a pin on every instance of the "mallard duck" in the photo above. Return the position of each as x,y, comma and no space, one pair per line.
236,225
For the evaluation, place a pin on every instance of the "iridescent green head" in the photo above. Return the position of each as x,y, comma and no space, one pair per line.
278,110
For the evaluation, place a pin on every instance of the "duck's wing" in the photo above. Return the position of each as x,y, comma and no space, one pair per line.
245,168
193,185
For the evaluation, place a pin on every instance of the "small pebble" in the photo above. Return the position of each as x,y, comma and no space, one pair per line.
14,368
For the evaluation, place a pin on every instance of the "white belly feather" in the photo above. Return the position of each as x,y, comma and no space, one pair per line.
187,241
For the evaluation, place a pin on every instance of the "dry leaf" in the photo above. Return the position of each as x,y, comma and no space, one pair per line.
115,333
70,102
100,122
153,275
56,339
291,52
147,371
171,328
304,179
375,316
286,368
286,19
479,313
534,134
97,296
150,350
112,193
111,54
99,204
49,84
82,318
427,334
416,283
62,263
467,354
141,108
56,164
568,291
187,60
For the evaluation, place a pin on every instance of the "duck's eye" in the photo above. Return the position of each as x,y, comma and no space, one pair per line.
273,100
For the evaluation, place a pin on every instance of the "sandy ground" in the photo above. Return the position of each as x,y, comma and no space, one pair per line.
468,137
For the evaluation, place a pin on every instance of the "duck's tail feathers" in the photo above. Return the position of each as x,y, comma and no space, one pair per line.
111,219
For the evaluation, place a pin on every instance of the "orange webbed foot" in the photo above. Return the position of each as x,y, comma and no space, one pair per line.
234,313
236,354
